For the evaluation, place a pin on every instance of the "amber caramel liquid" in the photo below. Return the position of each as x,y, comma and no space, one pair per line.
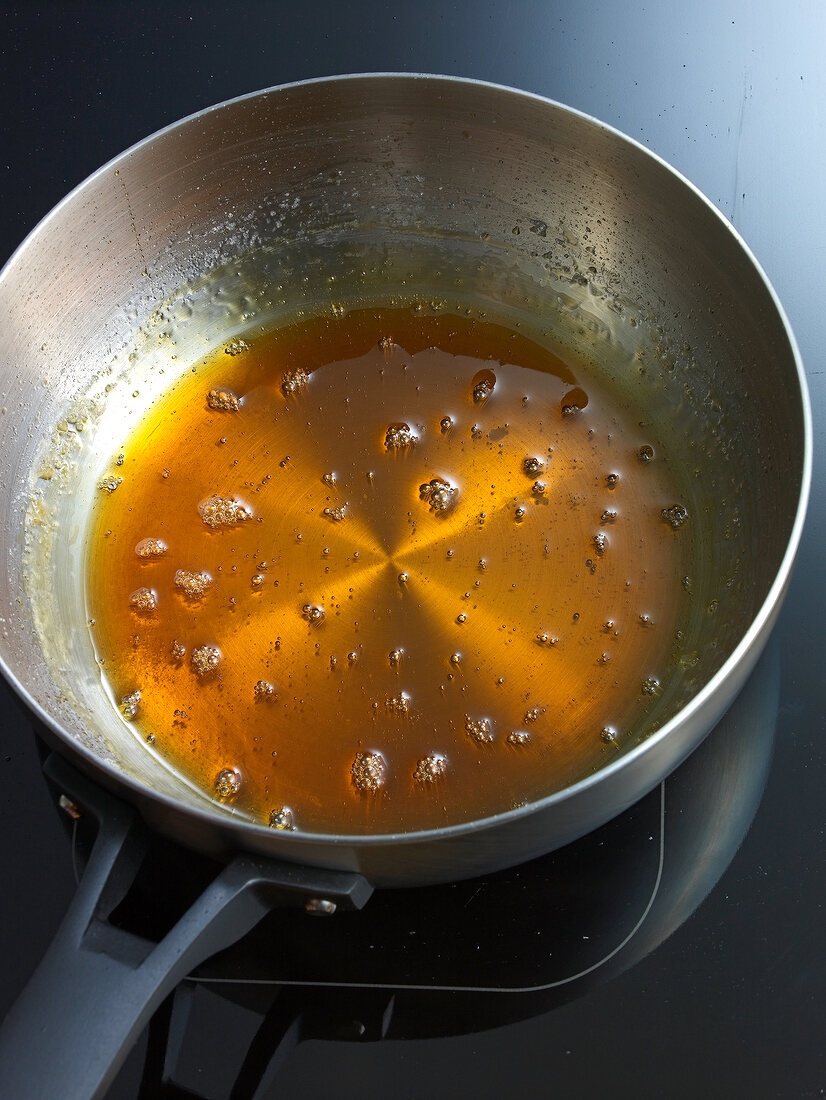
385,663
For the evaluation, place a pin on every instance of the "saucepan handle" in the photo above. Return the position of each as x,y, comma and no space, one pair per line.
98,986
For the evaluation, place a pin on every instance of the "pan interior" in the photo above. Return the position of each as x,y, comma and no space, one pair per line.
247,218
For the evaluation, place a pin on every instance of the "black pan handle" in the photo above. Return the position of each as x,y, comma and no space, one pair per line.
98,986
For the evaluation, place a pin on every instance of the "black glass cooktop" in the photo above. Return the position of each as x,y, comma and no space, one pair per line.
678,951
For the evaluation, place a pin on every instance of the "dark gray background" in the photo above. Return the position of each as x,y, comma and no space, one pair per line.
734,96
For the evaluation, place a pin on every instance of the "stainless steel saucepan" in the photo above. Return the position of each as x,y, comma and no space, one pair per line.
359,190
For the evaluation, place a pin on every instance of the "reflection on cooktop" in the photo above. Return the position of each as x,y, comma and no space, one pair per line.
456,958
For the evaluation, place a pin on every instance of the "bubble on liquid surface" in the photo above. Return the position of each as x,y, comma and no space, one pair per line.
367,771
335,515
329,478
398,704
430,768
519,513
532,714
236,347
293,381
205,659
612,480
263,690
313,613
445,424
608,516
439,494
193,585
143,599
227,783
573,402
395,657
650,685
533,466
479,730
399,436
538,488
484,382
645,453
150,548
223,400
110,483
281,817
600,543
223,511
178,651
675,516
130,704
546,639
518,737
608,735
